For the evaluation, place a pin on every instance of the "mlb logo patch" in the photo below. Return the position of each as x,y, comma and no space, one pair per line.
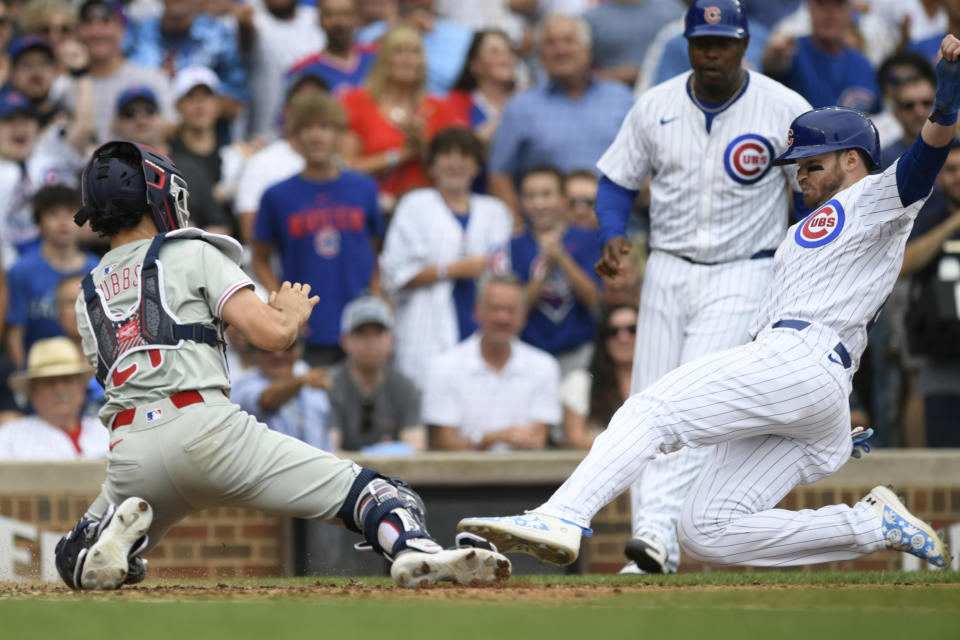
156,414
107,270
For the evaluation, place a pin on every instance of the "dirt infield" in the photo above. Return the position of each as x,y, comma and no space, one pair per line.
508,591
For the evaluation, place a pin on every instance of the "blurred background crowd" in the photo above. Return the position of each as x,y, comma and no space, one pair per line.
429,168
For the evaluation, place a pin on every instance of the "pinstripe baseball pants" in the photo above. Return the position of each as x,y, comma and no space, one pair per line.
776,412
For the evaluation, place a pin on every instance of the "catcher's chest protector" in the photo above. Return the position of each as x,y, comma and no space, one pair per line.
148,325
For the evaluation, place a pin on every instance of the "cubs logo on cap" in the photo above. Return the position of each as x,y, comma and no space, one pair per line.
789,137
747,158
821,226
712,15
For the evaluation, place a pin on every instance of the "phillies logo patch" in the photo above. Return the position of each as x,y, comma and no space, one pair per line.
712,15
747,159
821,226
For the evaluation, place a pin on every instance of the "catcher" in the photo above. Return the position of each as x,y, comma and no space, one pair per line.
152,315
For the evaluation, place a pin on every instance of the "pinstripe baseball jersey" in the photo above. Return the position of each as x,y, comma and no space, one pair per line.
837,266
715,197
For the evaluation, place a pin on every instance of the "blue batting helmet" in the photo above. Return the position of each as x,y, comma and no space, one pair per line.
723,18
830,129
126,176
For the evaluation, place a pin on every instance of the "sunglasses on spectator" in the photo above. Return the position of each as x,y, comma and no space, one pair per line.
911,104
131,111
610,332
585,202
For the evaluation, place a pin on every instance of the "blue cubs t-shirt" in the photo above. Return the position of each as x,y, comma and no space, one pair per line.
335,73
558,321
323,232
33,300
846,79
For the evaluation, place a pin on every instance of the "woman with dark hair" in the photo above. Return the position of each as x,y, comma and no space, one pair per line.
591,396
485,84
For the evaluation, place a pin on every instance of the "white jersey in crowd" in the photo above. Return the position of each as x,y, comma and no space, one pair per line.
837,266
32,438
423,233
715,196
279,44
274,163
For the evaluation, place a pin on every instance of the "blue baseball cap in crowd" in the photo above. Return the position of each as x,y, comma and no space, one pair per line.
13,102
28,43
307,72
137,92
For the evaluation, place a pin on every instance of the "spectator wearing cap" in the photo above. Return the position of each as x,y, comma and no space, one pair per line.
491,391
55,382
287,395
282,32
137,118
393,119
181,37
207,165
54,20
34,277
822,67
101,29
324,223
568,121
438,244
29,159
277,161
376,409
343,64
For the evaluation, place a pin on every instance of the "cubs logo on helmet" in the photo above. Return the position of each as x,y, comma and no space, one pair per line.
821,226
789,138
712,15
747,158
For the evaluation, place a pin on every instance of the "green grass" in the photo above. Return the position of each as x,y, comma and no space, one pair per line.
802,604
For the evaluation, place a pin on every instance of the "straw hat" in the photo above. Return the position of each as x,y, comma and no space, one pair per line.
48,359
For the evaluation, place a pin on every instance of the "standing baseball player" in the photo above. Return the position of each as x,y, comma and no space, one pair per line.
774,412
151,316
718,210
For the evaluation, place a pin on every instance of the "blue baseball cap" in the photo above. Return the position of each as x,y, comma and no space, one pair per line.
306,72
13,102
21,45
136,92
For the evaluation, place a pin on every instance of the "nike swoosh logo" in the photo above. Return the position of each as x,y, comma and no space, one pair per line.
115,444
832,359
668,120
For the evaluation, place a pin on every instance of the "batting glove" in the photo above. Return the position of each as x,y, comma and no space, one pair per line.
948,97
860,444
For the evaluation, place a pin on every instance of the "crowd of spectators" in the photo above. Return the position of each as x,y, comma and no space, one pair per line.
429,168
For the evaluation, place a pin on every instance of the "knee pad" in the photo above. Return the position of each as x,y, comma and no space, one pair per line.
71,551
388,513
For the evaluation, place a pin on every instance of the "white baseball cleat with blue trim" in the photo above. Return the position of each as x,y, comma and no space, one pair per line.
106,564
903,531
474,561
547,538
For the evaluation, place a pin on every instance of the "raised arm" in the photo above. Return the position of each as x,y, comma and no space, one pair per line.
273,326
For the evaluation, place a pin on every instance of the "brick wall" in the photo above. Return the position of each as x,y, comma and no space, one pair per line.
939,505
224,542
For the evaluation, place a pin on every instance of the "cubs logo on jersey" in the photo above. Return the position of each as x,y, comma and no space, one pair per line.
821,226
327,243
747,158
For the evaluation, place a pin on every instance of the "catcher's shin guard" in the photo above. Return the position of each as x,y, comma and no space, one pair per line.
389,514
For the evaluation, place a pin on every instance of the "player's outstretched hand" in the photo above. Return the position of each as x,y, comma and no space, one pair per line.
614,251
294,299
949,48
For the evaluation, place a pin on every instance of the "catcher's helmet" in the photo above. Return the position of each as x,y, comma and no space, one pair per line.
125,175
830,129
723,18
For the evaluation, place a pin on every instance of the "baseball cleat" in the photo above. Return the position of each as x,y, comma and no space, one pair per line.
547,538
631,569
903,531
469,565
647,554
107,562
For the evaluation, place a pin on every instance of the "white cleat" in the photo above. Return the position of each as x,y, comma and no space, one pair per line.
462,566
547,538
631,569
106,563
905,532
